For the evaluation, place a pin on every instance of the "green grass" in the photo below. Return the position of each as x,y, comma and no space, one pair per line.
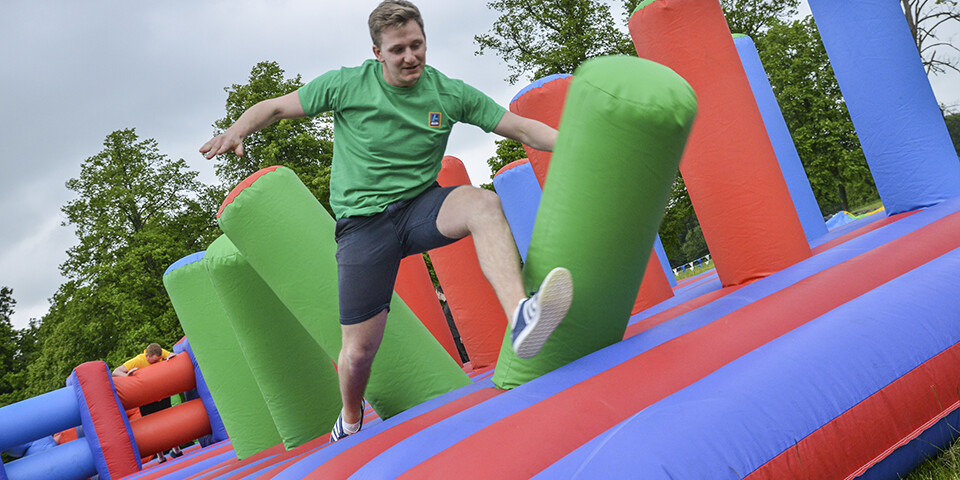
945,467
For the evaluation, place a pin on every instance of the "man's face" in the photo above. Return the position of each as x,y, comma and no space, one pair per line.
402,52
151,359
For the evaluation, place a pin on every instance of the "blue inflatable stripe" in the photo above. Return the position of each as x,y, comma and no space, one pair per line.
69,461
891,103
790,165
192,258
931,443
539,83
440,436
38,417
664,262
763,403
218,430
520,194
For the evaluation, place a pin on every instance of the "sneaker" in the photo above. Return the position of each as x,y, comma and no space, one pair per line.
176,452
339,432
538,316
161,458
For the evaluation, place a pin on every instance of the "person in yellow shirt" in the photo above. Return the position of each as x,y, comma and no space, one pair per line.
152,354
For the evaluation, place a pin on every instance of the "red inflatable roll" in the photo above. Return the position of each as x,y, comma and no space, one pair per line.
729,166
170,427
155,382
544,102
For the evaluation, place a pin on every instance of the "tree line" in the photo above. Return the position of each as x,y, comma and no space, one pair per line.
136,211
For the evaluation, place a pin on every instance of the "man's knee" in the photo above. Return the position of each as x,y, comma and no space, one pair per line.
359,354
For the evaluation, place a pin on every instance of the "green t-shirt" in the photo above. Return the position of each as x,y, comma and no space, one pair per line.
389,141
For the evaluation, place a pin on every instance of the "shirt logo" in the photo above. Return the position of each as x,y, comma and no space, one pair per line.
434,119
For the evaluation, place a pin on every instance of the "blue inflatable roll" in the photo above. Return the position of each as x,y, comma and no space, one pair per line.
519,192
793,173
64,462
38,417
891,103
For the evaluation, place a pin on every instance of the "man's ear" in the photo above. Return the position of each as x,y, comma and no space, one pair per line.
376,53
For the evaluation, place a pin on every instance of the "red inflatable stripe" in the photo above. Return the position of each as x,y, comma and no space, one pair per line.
221,469
244,184
610,398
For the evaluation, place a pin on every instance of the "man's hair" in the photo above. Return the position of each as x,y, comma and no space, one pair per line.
392,13
154,350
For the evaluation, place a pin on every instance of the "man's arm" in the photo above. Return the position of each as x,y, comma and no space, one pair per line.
255,118
121,371
527,131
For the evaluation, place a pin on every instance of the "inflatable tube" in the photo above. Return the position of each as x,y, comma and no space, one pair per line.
416,289
232,387
519,193
288,239
217,431
729,166
665,262
69,461
104,420
600,220
476,309
891,103
170,427
542,100
156,382
22,421
296,377
790,165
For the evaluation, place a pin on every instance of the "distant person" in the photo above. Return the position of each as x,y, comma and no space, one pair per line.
453,325
152,354
392,117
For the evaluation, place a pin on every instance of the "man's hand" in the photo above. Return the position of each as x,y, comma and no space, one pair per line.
223,143
253,120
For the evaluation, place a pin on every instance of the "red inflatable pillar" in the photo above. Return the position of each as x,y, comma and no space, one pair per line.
472,301
416,290
542,100
104,422
729,165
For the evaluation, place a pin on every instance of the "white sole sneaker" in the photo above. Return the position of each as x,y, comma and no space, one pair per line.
553,301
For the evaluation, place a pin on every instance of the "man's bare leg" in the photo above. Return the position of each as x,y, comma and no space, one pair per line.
360,344
475,211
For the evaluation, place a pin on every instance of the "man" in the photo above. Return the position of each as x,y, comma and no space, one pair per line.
392,118
152,354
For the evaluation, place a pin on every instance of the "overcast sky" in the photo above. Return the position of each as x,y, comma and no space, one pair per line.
73,72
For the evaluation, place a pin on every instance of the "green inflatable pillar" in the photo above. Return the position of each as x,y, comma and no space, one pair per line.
232,386
298,380
288,238
622,134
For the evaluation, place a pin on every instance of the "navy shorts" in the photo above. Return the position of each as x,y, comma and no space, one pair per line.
369,250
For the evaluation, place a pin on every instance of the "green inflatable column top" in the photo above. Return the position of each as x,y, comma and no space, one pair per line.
230,381
621,136
298,380
288,239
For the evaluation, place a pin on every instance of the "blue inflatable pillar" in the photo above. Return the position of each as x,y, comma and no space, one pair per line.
519,192
664,261
890,100
793,173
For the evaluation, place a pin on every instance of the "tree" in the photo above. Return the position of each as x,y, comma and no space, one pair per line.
953,126
813,107
540,38
926,18
17,350
136,213
755,17
304,144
